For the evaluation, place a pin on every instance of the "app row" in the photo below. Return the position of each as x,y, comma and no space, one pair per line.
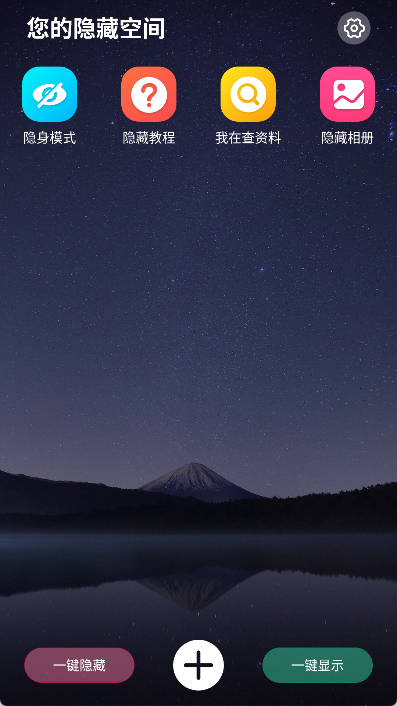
148,94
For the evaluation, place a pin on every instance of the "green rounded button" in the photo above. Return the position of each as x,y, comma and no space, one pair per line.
317,665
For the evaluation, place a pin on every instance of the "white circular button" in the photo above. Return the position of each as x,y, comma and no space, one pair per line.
149,94
198,665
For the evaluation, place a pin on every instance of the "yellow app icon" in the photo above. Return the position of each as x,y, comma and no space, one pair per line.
248,94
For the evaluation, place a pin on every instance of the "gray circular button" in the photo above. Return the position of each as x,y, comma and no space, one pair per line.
354,27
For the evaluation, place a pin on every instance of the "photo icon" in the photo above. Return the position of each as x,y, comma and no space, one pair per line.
49,94
347,94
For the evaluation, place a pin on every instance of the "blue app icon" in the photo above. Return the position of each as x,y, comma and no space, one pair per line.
49,94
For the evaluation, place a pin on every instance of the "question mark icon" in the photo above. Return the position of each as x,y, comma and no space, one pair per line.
151,93
145,92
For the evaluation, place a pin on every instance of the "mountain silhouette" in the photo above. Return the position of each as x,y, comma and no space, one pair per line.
38,496
198,481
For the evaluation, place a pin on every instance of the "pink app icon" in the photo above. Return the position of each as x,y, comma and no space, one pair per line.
347,94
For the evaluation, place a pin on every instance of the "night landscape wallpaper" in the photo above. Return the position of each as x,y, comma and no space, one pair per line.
198,356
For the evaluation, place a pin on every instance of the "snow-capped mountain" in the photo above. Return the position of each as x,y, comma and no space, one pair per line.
198,481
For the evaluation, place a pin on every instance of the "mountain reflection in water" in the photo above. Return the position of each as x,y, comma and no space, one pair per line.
197,589
193,570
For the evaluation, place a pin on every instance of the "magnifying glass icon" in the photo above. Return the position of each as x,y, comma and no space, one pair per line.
254,96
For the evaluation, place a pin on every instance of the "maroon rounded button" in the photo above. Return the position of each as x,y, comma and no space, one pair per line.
79,665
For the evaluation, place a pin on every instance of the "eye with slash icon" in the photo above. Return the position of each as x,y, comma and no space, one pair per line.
49,94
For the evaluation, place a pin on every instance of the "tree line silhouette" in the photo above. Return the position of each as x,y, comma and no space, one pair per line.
370,509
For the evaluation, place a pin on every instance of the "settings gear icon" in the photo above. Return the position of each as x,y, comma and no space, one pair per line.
354,28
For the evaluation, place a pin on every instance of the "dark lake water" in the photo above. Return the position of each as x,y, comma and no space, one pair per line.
151,594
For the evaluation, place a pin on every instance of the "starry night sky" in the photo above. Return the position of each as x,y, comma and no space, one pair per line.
233,305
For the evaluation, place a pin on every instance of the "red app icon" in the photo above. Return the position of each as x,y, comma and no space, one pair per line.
148,94
347,94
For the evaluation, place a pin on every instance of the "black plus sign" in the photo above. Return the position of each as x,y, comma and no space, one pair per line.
198,664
